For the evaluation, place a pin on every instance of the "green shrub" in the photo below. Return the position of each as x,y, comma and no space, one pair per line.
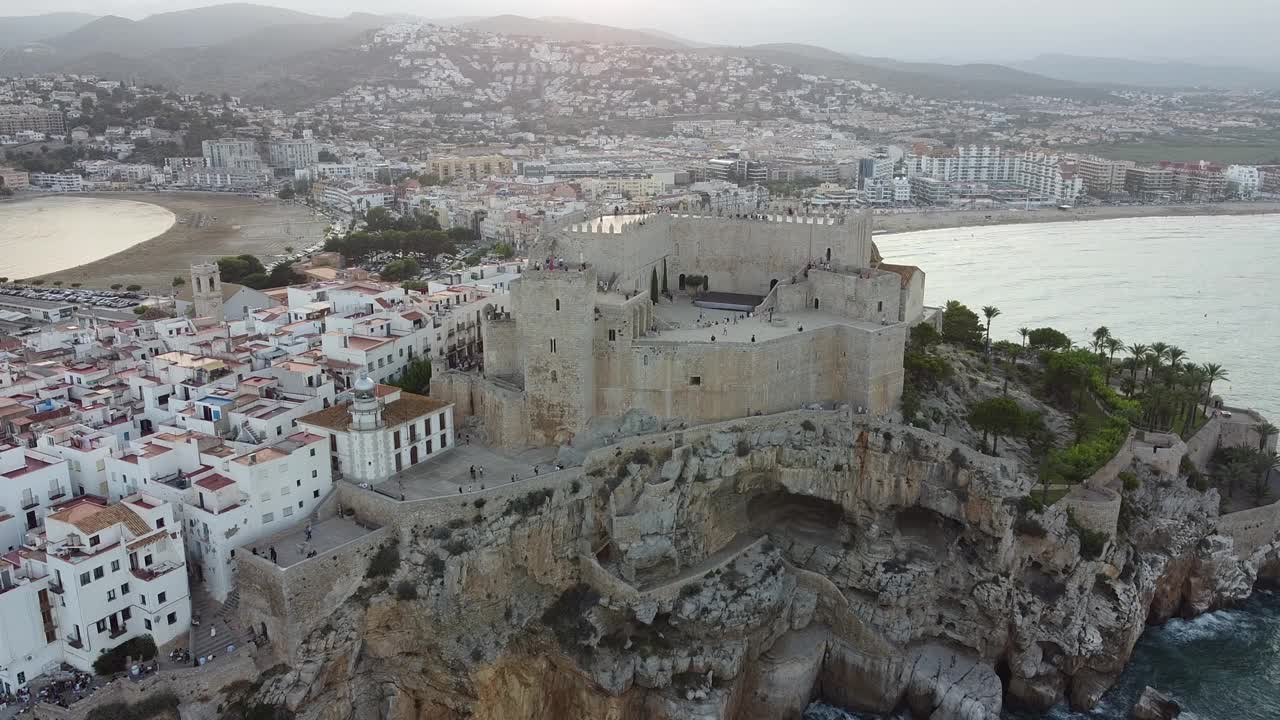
568,616
640,456
1030,527
117,658
1129,480
1092,542
384,562
807,425
479,503
406,590
529,503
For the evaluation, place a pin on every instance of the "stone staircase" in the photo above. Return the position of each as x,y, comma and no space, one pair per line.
222,619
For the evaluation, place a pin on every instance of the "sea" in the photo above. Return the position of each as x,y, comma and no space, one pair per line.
1206,284
1224,665
47,234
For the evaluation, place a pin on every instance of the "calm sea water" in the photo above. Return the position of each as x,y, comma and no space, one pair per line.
1206,284
1220,666
47,234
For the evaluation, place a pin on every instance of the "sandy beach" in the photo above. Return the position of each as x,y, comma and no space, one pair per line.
209,226
896,222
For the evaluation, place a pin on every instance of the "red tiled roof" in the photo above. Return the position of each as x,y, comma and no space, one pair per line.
215,482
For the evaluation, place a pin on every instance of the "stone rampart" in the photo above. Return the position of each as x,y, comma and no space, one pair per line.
286,604
1095,508
1162,451
1252,529
502,406
1239,430
1108,473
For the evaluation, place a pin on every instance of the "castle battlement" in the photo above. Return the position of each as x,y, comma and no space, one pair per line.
624,224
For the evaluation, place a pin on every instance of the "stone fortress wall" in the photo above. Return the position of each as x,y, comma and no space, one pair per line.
575,353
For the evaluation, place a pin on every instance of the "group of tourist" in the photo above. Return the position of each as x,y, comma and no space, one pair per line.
61,691
557,263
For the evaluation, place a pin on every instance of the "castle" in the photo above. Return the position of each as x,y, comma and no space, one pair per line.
756,314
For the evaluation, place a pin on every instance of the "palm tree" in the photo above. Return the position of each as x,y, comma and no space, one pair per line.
1176,356
989,312
1099,336
1213,372
1158,352
1139,353
1265,430
1113,345
1195,378
1024,333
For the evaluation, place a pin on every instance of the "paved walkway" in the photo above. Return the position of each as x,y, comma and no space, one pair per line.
450,473
292,546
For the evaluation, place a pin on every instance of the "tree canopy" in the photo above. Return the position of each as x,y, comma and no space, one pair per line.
960,325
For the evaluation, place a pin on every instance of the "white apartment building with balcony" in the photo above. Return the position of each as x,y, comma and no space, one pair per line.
31,483
97,575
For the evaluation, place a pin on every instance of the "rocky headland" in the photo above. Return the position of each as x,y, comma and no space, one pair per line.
741,570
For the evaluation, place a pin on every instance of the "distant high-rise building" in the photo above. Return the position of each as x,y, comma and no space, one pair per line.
231,154
1149,183
16,118
293,154
1101,176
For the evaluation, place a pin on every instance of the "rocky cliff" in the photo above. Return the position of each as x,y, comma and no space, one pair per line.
741,570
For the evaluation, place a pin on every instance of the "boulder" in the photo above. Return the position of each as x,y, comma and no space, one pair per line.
1154,705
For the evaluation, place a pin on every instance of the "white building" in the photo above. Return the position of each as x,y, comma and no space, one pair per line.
58,182
31,482
383,431
1243,181
293,154
230,154
98,575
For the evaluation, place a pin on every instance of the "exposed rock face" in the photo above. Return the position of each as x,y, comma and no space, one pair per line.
1153,705
741,570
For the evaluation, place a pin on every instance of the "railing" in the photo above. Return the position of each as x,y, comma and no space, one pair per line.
29,500
56,588
117,632
76,643
57,492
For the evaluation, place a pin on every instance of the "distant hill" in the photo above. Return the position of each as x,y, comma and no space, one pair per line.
926,79
1150,74
199,27
564,30
16,31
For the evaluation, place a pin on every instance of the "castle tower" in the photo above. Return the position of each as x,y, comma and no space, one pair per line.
555,320
206,291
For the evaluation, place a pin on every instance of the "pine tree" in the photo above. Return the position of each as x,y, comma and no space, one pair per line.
653,285
664,277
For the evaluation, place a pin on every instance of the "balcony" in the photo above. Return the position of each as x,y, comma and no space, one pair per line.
155,571
76,643
56,588
29,501
57,492
118,631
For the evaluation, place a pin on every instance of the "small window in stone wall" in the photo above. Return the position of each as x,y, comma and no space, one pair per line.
880,306
695,379
554,376
613,335
557,304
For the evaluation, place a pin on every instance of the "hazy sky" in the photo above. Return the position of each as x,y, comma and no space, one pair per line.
926,29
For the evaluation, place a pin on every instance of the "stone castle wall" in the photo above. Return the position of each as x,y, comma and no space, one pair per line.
501,406
1252,529
1095,508
555,314
190,685
289,603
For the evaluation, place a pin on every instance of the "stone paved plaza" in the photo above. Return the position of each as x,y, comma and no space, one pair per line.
449,473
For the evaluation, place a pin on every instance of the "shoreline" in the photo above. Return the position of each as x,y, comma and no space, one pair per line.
207,225
115,244
892,223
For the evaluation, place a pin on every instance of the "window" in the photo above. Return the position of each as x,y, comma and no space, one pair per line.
333,443
553,344
84,579
146,561
444,441
126,614
267,517
160,598
428,446
22,678
695,379
557,304
287,512
299,504
159,523
101,625
146,623
880,306
395,438
314,474
315,493
115,566
613,334
124,589
284,491
142,599
299,482
555,378
95,540
172,618
313,452
370,367
111,595
98,573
